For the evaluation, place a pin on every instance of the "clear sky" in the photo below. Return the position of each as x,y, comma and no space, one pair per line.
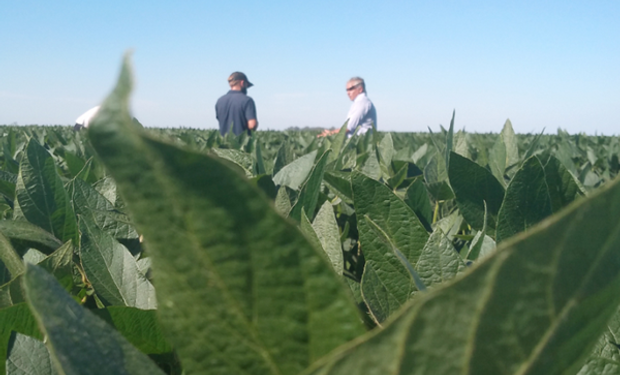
542,64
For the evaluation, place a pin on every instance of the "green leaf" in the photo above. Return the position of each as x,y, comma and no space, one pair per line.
390,213
258,155
474,185
28,356
563,188
7,184
337,142
140,327
379,296
526,202
510,141
107,188
600,366
68,326
327,231
295,173
417,199
437,179
399,255
439,261
340,184
90,204
245,292
9,257
24,235
449,140
536,306
283,202
41,195
478,241
370,166
533,147
16,318
59,264
282,159
309,194
605,357
398,178
74,163
237,157
113,271
386,151
265,183
403,231
497,160
462,144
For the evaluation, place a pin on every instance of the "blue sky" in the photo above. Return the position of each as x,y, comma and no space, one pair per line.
551,64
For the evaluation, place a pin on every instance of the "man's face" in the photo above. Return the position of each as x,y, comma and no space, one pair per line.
354,89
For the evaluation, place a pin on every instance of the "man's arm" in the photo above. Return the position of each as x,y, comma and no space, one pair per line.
250,114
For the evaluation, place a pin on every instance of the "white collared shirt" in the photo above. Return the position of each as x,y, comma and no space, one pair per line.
362,114
85,118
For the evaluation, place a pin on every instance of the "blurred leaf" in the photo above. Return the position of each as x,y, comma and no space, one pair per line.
140,327
549,293
246,293
68,326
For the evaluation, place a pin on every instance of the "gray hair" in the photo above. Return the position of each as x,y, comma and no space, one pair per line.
358,81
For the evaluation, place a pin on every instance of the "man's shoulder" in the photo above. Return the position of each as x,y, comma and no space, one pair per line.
236,96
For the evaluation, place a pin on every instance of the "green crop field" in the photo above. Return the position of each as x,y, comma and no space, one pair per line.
129,250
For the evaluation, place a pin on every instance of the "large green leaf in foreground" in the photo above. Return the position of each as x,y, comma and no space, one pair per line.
240,290
536,306
79,342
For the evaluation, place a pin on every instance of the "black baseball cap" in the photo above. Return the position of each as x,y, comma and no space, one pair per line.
238,76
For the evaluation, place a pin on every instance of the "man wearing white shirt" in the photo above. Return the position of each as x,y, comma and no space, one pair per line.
362,113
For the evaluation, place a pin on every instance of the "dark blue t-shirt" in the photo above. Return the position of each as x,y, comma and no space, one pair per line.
233,111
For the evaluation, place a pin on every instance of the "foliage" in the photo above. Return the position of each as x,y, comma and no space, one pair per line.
178,250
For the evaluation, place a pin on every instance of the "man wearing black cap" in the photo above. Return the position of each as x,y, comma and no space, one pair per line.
236,111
